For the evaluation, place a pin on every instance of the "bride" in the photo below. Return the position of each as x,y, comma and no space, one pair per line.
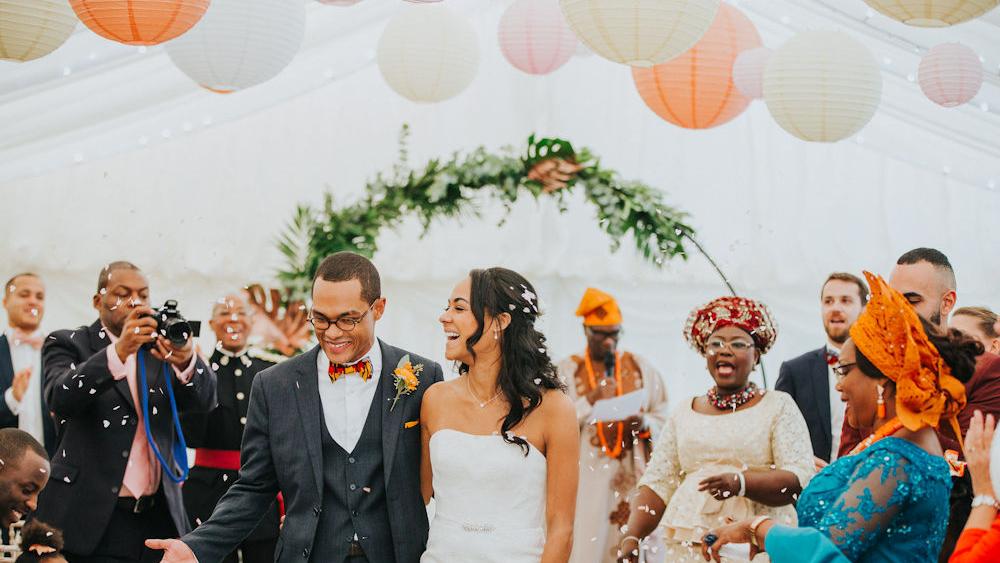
500,442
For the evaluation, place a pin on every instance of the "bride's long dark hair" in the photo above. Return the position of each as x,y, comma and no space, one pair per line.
526,370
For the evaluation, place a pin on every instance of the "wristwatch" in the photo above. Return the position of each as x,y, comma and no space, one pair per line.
986,500
753,529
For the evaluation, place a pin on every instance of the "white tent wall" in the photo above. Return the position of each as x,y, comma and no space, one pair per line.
199,212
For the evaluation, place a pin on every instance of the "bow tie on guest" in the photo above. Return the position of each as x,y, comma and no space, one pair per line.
33,339
362,367
832,357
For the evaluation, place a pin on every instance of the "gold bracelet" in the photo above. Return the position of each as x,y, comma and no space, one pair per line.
753,529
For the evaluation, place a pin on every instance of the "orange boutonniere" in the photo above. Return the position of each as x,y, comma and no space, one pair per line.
406,378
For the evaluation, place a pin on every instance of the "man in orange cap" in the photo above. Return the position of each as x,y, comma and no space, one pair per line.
613,453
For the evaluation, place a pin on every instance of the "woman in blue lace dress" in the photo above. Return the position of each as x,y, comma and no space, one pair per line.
888,500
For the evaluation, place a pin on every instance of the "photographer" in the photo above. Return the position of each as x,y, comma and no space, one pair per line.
116,388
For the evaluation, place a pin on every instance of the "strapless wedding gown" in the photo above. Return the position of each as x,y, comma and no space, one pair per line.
490,501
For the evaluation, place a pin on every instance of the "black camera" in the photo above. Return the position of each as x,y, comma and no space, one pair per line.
170,324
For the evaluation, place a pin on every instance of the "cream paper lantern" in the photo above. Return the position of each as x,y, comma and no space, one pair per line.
240,43
933,13
950,74
639,33
30,29
428,53
822,86
748,71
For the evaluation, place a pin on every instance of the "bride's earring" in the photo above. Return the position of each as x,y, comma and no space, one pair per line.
881,402
496,333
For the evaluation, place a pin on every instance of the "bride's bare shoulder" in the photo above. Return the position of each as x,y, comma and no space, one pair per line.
440,392
556,404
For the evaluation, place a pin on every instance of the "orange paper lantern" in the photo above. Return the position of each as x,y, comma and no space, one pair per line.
696,90
139,22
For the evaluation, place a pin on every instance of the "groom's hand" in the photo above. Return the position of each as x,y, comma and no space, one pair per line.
174,551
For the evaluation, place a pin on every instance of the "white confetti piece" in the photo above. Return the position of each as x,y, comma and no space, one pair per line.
106,423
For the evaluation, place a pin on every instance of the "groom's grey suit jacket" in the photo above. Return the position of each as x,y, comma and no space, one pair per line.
282,451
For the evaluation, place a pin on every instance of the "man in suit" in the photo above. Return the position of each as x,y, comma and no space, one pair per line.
329,430
217,435
809,378
926,278
114,472
23,405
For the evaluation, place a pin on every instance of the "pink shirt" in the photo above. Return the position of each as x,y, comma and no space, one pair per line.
143,469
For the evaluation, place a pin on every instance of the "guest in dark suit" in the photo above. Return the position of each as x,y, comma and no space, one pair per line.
809,378
113,472
337,434
217,435
926,278
23,405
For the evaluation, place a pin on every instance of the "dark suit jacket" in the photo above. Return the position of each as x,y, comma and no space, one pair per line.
807,379
282,452
98,420
9,419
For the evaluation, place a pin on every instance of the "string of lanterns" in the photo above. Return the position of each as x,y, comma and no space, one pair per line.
695,63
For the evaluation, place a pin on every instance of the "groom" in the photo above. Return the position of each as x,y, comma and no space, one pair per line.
329,430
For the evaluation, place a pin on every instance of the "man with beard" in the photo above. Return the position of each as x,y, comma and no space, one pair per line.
216,435
926,278
24,472
809,378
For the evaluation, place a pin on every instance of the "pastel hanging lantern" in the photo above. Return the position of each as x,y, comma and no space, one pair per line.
696,90
748,72
950,74
822,86
534,37
240,43
30,29
639,32
428,53
139,22
933,13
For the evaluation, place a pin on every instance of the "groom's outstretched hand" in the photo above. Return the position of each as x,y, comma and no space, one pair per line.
174,551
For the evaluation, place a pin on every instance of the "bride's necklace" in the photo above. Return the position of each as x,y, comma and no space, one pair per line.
734,401
482,404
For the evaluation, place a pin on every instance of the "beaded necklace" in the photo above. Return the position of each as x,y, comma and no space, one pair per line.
615,450
734,401
884,431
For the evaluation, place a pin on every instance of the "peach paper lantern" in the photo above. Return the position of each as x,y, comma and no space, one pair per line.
139,22
950,74
748,72
696,90
534,36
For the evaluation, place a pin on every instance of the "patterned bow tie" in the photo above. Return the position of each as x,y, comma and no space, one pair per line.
362,367
832,357
34,340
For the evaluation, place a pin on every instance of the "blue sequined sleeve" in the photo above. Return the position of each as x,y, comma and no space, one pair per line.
858,518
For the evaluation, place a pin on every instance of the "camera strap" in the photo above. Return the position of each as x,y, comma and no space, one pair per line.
180,446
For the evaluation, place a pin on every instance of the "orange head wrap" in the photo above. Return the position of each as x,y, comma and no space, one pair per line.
890,335
598,309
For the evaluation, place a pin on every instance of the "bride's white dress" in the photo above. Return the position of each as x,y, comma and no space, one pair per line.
490,500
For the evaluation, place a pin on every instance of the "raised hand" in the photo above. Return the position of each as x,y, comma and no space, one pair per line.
978,440
174,551
20,383
139,329
165,351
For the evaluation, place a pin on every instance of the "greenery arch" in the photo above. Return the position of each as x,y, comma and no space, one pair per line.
445,189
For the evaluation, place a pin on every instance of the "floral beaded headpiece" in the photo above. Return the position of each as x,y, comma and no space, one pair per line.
746,314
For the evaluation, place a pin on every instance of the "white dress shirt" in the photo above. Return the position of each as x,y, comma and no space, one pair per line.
29,409
837,407
346,402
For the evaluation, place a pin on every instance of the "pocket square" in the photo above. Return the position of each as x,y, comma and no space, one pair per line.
411,424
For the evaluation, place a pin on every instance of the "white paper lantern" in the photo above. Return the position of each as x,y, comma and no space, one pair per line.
950,74
822,86
639,33
933,13
240,43
534,37
748,71
338,2
428,53
33,28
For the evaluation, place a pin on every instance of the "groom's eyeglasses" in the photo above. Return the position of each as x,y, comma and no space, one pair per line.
346,324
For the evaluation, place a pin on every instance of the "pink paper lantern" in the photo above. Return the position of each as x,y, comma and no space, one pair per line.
338,2
534,36
748,72
950,74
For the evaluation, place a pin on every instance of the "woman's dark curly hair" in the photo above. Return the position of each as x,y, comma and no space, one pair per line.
526,370
37,532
